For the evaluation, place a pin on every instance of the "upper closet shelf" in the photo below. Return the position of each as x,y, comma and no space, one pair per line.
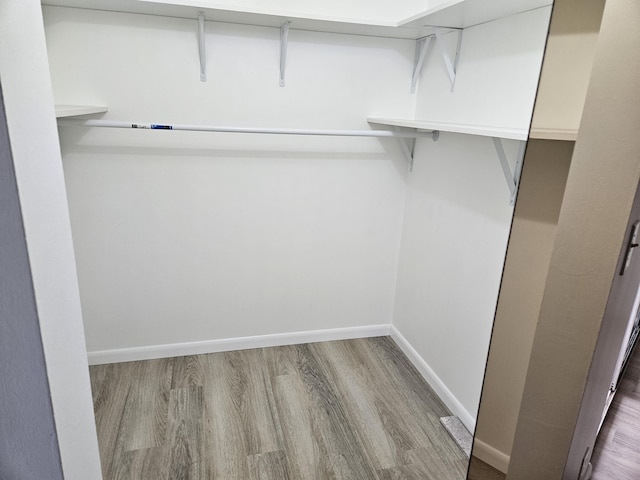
496,132
447,13
467,13
554,134
63,111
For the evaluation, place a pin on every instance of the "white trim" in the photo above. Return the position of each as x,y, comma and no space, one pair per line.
434,381
35,148
491,455
228,344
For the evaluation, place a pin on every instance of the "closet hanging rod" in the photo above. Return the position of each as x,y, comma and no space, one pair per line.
274,131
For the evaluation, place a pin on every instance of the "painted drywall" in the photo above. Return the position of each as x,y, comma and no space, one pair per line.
600,189
544,175
38,171
457,214
28,441
568,60
184,237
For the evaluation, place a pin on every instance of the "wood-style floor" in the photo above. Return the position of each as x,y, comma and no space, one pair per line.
616,455
354,409
478,470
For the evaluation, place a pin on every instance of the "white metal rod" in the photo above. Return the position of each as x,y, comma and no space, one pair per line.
65,122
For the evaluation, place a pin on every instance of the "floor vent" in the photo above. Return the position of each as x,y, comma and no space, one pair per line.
459,433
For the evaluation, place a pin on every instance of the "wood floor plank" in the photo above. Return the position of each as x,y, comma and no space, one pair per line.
144,421
269,466
347,455
307,456
303,453
424,405
252,393
404,472
239,405
97,376
155,463
224,440
188,371
185,438
372,407
148,463
280,360
447,467
111,385
409,381
415,399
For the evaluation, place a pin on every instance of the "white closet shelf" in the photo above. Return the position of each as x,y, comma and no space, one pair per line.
467,13
496,132
568,135
450,13
63,111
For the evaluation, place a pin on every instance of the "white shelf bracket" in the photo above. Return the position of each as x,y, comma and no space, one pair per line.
408,145
201,48
284,40
423,47
513,179
452,67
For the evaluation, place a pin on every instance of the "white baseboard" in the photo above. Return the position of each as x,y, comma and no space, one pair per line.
447,397
228,344
490,455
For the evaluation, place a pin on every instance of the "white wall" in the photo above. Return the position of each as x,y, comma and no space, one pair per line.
457,215
39,177
185,237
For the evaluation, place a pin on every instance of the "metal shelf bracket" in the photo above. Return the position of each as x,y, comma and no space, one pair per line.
452,67
284,40
423,49
408,145
201,48
513,179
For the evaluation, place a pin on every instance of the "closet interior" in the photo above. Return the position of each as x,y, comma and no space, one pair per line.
359,181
